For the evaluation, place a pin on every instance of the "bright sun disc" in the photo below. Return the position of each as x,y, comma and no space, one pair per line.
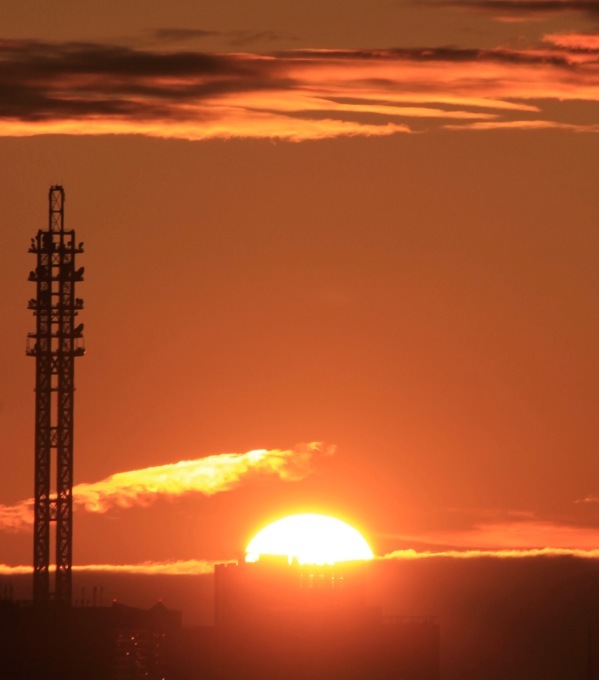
309,539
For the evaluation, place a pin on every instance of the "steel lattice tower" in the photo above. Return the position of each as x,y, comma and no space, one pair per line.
55,344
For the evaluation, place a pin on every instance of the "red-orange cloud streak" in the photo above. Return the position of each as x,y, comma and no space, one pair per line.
206,476
92,89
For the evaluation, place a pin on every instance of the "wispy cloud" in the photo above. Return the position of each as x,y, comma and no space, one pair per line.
172,567
90,89
179,35
244,37
206,476
590,499
198,567
8,570
237,38
516,534
525,125
523,10
575,42
410,554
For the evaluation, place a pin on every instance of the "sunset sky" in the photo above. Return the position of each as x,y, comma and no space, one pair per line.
368,225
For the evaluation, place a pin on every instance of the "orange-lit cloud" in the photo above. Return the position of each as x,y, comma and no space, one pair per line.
575,41
91,89
524,125
410,554
206,476
16,516
7,570
174,567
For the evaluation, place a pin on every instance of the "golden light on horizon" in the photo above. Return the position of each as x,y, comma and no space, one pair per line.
309,539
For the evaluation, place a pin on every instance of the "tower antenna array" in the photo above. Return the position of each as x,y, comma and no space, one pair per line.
55,344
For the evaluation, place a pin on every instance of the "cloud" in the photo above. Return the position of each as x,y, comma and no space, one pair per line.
508,535
237,38
172,567
410,554
246,37
590,499
169,35
524,125
524,10
199,567
91,89
16,516
206,476
583,42
8,570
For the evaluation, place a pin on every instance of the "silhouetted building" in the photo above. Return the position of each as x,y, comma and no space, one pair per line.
275,620
91,643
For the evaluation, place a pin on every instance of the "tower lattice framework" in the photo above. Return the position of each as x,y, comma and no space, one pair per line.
55,344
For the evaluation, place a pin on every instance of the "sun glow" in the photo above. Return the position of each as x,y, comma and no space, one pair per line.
309,539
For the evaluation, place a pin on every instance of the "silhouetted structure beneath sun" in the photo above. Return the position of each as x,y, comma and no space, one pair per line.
280,620
55,344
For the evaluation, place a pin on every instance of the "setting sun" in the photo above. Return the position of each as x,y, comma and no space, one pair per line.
309,539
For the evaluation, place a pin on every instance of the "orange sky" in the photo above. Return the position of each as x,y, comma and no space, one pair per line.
369,225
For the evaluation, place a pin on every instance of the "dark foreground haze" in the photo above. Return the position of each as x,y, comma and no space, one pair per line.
523,619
